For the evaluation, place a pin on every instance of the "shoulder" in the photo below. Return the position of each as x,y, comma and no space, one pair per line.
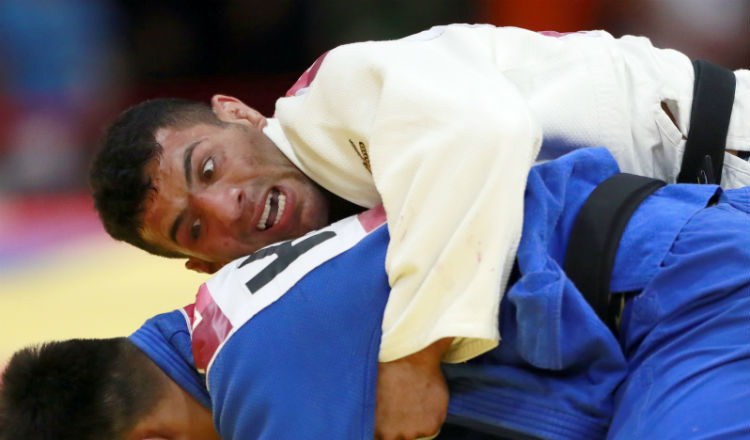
247,288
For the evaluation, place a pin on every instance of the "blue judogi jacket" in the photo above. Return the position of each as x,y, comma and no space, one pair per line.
305,365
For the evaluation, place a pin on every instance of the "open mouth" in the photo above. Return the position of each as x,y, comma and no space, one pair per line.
272,210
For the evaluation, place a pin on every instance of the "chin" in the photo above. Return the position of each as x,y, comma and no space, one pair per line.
321,222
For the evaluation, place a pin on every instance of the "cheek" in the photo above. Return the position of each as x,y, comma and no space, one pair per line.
316,215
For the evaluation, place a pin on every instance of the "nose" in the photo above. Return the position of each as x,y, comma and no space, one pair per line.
221,204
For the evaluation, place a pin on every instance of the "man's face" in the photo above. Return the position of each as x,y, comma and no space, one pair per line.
224,192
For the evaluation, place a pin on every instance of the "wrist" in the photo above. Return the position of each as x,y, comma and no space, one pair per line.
430,356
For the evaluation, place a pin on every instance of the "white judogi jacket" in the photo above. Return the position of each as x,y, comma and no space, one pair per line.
442,127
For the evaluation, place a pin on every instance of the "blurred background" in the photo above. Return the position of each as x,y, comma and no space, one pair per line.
68,66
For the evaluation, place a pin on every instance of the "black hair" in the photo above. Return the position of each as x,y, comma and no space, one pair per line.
77,389
117,176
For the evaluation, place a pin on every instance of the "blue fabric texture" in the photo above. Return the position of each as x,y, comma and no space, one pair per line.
306,367
686,336
165,339
557,365
555,371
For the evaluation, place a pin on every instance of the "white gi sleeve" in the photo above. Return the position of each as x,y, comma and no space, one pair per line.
449,142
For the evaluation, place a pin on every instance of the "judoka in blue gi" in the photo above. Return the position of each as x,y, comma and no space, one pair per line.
284,343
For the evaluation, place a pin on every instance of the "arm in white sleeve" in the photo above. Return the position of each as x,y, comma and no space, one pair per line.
450,142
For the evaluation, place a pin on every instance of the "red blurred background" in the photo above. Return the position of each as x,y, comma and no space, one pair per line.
68,66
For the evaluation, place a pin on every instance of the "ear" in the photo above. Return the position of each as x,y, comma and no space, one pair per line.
231,109
202,266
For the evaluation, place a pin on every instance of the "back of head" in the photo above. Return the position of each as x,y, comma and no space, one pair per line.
118,178
77,389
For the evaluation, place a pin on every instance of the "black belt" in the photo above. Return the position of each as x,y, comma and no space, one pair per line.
596,234
599,225
713,97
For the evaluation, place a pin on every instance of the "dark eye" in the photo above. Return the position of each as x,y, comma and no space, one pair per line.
208,169
195,229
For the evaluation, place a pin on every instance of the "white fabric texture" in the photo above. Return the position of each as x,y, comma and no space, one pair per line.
450,121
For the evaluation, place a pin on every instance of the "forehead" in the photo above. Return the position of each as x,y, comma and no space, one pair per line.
175,139
167,175
162,205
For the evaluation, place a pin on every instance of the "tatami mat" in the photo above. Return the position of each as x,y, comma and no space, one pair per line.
62,277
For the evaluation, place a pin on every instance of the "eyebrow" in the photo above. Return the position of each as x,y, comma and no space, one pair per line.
188,162
187,165
176,226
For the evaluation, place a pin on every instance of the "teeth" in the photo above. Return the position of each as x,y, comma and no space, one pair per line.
266,210
281,202
280,211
